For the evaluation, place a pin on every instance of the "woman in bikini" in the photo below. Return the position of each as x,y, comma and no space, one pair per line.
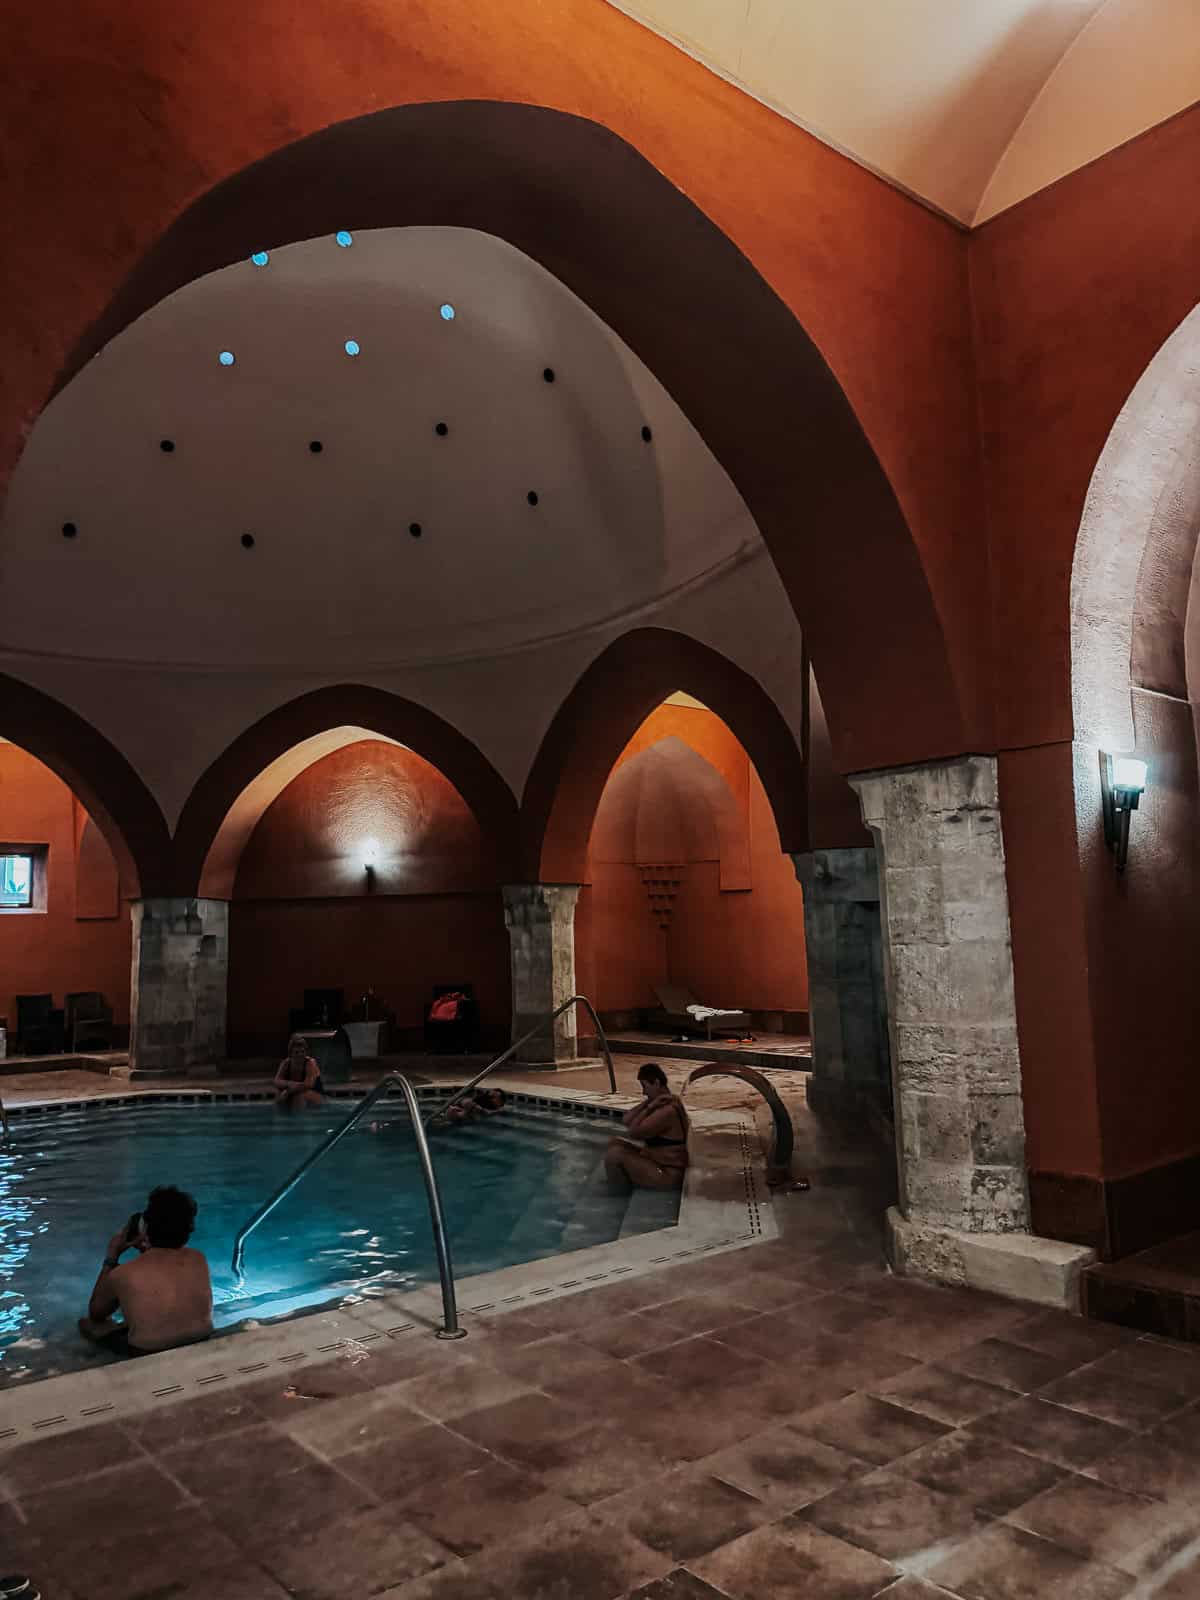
298,1081
660,1124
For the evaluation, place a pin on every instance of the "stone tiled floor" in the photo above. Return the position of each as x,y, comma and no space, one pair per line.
787,1421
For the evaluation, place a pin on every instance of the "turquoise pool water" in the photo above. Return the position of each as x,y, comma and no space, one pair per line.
521,1186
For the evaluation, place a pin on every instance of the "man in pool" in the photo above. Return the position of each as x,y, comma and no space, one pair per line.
480,1103
164,1294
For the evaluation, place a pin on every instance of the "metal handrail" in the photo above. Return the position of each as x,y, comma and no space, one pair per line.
4,1121
450,1328
575,1000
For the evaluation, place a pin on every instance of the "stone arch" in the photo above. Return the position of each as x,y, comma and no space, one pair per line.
232,794
591,210
113,794
609,703
1136,549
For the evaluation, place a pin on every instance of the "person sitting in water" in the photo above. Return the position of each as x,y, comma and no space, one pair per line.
164,1295
661,1124
298,1081
479,1103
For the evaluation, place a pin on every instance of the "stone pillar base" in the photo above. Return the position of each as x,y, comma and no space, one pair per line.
1019,1265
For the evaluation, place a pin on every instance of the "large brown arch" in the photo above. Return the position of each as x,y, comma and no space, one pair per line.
605,708
342,705
602,219
120,804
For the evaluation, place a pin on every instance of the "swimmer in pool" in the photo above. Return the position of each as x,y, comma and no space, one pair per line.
660,1123
480,1103
164,1294
298,1081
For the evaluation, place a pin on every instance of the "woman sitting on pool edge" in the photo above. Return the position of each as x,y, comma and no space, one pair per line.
298,1081
661,1124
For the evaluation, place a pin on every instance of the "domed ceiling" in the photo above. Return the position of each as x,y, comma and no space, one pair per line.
970,106
395,449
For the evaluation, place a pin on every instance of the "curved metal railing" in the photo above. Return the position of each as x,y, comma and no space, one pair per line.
450,1328
779,1166
547,1022
4,1121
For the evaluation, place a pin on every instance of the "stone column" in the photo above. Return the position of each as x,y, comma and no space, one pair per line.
541,925
180,984
847,1002
964,1202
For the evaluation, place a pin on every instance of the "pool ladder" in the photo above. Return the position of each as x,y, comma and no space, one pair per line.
4,1121
450,1327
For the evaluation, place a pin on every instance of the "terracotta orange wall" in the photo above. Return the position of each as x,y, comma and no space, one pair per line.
834,814
82,940
878,281
744,947
1074,291
304,915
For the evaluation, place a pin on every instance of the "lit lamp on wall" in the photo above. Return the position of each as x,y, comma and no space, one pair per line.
369,855
1122,783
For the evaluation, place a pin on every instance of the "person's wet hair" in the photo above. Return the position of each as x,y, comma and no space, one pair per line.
652,1074
169,1217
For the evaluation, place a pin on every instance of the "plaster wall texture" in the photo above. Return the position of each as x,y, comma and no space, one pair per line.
684,791
305,914
180,983
540,918
81,940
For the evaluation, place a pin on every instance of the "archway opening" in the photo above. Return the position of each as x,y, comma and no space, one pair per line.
64,918
359,881
688,897
1120,1184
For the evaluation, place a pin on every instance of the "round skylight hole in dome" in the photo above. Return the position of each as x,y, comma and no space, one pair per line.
414,529
69,530
344,238
247,541
166,446
532,497
260,258
548,374
315,446
446,312
226,358
441,429
352,347
646,433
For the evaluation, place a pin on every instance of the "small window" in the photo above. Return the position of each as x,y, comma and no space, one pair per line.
16,883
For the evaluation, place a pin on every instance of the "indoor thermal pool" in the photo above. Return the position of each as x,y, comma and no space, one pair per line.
526,1184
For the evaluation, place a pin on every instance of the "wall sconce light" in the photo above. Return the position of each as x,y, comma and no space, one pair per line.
370,857
1122,783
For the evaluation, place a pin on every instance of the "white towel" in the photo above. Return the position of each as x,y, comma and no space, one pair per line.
702,1013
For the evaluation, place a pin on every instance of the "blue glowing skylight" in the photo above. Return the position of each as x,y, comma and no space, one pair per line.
260,258
447,313
226,358
344,239
352,347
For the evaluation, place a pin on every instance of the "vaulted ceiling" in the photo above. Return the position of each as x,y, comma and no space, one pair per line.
971,105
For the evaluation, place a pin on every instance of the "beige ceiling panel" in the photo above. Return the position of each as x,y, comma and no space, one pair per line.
933,94
1135,64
